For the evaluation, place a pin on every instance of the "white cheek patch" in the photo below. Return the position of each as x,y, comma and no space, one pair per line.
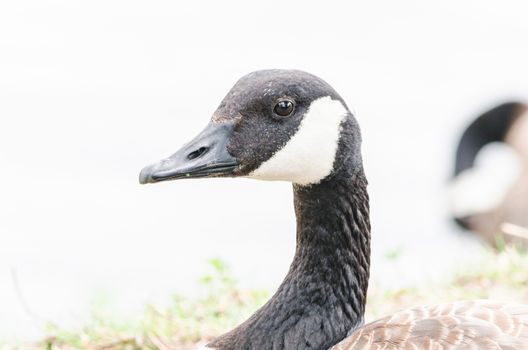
309,155
482,188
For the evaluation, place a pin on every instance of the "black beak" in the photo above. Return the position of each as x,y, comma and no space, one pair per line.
205,156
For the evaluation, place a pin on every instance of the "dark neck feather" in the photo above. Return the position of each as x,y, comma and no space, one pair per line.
323,296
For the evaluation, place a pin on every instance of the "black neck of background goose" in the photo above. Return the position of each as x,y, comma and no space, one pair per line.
492,126
322,298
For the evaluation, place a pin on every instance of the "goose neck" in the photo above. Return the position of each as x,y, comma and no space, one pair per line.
322,299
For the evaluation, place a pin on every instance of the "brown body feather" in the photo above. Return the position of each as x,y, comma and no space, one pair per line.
481,324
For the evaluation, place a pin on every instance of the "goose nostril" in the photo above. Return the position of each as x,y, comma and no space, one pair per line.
198,153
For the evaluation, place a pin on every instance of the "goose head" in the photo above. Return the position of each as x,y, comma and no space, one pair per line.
289,125
284,125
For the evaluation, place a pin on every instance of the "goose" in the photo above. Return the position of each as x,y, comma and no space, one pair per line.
488,205
289,125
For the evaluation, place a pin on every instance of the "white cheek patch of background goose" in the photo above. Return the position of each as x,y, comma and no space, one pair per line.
308,157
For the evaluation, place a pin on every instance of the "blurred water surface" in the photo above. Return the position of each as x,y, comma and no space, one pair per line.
90,92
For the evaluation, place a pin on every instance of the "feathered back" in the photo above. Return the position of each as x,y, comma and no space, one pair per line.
480,324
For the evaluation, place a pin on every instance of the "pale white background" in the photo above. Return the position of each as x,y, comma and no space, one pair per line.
92,91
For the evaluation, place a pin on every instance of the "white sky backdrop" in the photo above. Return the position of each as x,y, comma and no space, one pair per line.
92,91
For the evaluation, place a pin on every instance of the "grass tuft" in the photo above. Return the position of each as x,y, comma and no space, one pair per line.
186,323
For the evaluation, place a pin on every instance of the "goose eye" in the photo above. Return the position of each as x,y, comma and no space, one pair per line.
283,108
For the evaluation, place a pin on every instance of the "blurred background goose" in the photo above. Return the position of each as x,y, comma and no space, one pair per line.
492,199
292,126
